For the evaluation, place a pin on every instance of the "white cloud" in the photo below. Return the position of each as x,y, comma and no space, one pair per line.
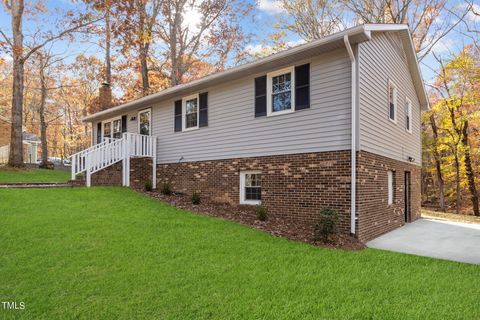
445,45
474,14
271,6
192,18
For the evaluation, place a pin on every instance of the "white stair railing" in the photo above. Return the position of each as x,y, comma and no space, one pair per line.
108,153
104,156
79,161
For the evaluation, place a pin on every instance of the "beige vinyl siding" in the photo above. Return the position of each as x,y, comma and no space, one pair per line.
380,60
234,132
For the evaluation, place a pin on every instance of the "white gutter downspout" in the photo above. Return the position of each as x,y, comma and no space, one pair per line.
354,137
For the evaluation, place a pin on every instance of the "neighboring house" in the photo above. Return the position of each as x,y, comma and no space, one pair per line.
279,132
30,143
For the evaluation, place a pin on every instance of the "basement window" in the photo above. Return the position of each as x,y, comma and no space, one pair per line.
250,187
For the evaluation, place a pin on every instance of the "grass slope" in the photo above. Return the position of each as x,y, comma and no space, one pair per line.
33,175
109,253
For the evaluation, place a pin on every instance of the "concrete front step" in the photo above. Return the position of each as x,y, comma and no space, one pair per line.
36,185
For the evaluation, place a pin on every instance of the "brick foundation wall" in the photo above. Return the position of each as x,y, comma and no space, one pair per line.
109,176
375,216
140,172
293,186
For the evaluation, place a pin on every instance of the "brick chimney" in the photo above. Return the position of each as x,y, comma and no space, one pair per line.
105,96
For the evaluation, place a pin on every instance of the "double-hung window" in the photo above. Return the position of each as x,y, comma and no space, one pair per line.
408,115
280,91
144,121
250,187
190,112
392,101
117,128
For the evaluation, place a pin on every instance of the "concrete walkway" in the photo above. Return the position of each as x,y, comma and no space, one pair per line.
432,238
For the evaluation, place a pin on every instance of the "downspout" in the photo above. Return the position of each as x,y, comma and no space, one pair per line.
353,178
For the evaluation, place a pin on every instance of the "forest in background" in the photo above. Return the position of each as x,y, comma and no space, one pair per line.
49,77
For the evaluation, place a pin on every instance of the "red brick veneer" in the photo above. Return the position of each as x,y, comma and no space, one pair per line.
293,186
109,176
375,216
140,172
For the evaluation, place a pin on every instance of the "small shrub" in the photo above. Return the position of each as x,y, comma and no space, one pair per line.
261,213
327,225
148,185
196,197
166,188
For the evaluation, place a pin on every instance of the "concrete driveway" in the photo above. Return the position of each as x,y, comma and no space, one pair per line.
432,238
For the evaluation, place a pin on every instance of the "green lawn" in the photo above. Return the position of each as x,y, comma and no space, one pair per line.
33,175
110,253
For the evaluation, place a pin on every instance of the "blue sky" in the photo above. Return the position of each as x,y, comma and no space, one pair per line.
259,26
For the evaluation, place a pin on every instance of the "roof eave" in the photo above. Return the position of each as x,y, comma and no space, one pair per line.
356,34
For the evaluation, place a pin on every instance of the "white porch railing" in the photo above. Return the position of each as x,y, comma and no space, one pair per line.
110,152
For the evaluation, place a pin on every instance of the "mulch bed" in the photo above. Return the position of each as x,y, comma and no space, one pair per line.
246,215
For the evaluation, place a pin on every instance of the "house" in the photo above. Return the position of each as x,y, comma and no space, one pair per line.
30,143
280,132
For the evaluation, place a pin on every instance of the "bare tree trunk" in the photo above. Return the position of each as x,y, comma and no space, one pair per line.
457,182
41,112
438,164
16,144
143,47
469,170
144,68
108,66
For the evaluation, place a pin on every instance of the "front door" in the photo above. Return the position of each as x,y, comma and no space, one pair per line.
407,196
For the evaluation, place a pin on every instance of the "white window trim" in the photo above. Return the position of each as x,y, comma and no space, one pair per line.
149,120
270,75
390,187
408,105
111,126
395,105
242,188
184,110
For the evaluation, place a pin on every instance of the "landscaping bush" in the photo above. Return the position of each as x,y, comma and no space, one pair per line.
148,185
196,197
166,188
261,213
327,225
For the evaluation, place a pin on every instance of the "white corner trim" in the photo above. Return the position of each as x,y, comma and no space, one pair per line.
353,151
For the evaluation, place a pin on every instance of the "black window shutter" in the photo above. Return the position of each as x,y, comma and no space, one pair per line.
178,116
99,132
261,96
302,87
203,97
124,123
